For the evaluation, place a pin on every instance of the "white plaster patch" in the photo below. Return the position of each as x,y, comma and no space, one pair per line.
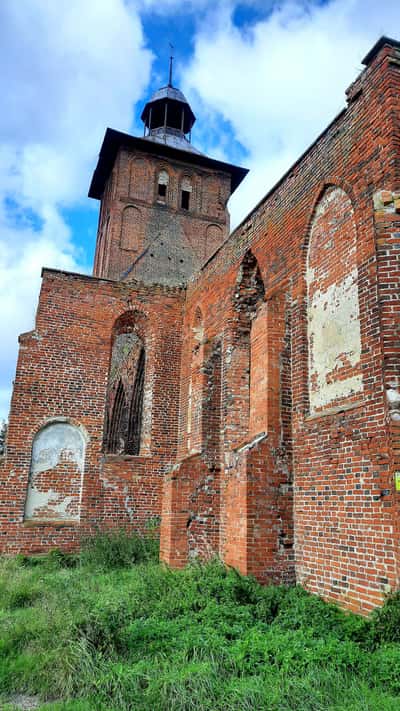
393,396
334,342
125,491
386,201
55,479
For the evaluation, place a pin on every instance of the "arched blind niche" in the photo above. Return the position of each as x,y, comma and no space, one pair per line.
131,228
333,312
195,397
56,473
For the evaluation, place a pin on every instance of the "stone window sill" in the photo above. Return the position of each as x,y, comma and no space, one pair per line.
50,522
126,457
335,410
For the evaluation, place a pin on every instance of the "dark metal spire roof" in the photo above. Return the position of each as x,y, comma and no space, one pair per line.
168,121
168,108
168,92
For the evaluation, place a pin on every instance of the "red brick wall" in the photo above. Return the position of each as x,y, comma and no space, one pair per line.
133,217
258,406
62,373
313,497
339,458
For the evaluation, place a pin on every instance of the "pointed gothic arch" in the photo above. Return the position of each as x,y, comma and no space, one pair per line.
126,387
333,311
248,380
249,290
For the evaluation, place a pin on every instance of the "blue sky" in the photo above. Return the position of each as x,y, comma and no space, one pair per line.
263,78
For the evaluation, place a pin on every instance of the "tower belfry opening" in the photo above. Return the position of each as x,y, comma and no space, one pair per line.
168,117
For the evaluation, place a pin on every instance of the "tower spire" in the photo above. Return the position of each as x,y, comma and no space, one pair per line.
167,117
171,59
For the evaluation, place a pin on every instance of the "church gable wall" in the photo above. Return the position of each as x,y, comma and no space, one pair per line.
55,493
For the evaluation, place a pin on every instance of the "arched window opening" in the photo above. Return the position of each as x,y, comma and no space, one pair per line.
186,192
117,424
250,291
211,414
124,411
163,180
136,409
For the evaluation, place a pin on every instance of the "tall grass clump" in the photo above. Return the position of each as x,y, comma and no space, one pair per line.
118,548
112,630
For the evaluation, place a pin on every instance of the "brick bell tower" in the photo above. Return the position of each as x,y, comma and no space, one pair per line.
163,203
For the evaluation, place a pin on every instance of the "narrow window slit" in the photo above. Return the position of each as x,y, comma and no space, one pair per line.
185,199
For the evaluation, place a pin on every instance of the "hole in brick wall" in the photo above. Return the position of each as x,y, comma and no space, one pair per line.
249,397
250,290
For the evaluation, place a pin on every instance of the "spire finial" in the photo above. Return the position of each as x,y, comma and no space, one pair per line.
171,59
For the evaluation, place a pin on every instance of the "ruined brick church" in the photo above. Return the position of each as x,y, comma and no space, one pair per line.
241,391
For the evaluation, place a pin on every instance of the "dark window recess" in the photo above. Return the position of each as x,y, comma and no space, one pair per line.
162,190
185,199
123,428
136,409
118,422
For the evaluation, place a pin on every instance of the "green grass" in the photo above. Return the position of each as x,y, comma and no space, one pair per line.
113,630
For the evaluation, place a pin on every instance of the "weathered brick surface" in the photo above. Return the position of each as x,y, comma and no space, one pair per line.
164,242
62,373
272,418
339,456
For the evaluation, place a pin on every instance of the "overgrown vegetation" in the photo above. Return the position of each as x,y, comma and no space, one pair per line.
112,630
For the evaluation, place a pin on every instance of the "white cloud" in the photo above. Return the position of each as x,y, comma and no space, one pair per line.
281,81
72,67
69,69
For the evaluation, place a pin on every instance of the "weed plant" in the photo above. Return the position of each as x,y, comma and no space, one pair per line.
112,630
115,548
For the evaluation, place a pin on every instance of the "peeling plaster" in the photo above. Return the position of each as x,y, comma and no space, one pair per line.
334,342
386,201
55,478
125,491
393,398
